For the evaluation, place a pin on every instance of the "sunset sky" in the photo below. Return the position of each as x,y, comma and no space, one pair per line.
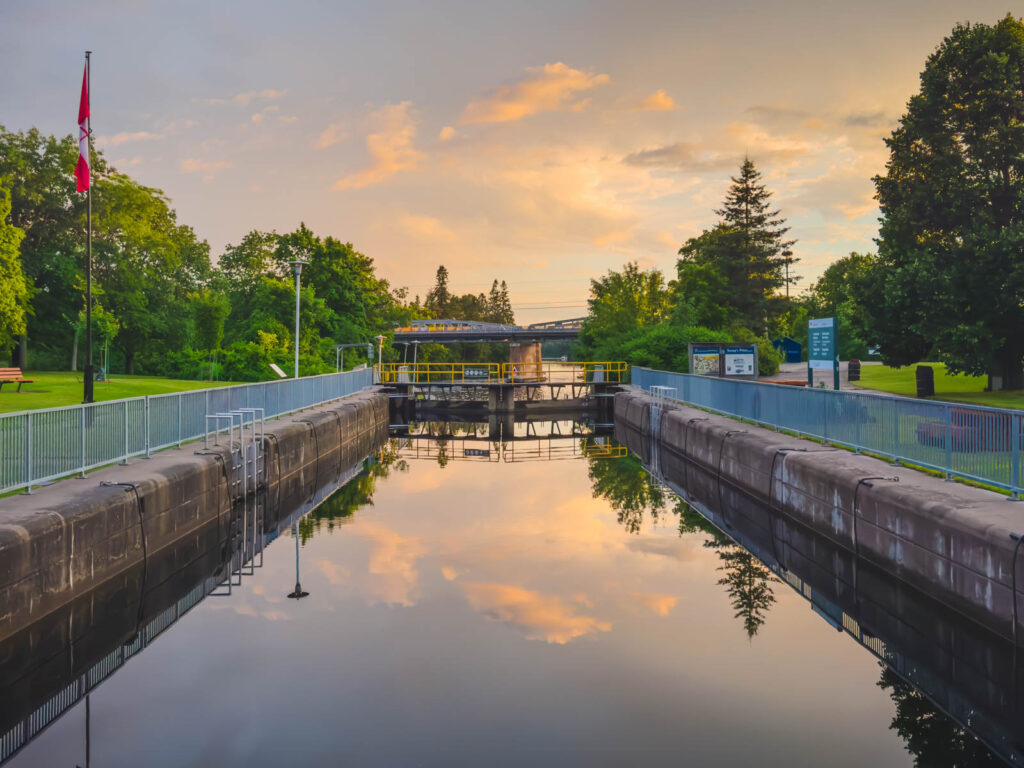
538,142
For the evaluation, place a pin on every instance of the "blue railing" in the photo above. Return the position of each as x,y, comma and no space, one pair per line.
966,441
43,445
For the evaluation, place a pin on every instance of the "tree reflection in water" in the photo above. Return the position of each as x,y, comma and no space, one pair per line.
632,492
934,739
356,493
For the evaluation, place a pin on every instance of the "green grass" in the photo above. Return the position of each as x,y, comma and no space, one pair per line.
56,388
958,388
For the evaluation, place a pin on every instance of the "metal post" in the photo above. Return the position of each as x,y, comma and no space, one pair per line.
148,441
124,412
28,453
88,387
82,430
179,418
949,442
1015,456
297,266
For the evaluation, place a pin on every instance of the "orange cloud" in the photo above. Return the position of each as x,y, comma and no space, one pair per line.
389,146
660,604
540,617
659,101
393,578
426,226
331,135
447,134
123,138
544,89
205,167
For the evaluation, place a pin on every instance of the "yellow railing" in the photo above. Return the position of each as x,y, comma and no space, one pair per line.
615,372
565,373
440,373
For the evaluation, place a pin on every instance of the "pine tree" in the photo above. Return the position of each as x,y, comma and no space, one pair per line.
494,304
439,298
748,248
506,314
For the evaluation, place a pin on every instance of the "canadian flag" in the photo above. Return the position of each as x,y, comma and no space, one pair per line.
82,169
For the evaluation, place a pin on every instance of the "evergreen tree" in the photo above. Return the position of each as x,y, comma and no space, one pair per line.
747,249
505,314
439,298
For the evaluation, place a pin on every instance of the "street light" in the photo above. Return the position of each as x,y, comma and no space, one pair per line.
415,351
297,266
298,594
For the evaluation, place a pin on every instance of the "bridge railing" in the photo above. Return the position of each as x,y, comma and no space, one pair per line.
615,372
43,445
438,373
971,442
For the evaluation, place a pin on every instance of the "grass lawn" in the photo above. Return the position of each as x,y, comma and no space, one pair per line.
55,388
957,389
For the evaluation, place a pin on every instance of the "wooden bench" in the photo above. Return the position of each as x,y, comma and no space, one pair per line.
13,376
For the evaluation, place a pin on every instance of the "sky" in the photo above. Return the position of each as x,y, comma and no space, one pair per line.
542,143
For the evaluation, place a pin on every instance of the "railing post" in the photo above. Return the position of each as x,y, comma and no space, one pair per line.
895,431
28,452
148,441
81,412
1015,456
949,442
124,423
179,419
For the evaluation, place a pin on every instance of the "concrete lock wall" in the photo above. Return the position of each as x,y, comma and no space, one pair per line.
949,540
68,538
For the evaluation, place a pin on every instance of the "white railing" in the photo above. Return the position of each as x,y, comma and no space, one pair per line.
43,445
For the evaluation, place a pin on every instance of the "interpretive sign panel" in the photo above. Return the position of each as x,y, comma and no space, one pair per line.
705,360
741,361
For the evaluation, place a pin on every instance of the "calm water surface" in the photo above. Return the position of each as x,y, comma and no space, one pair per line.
477,612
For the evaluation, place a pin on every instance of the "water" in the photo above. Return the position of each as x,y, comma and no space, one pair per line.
496,607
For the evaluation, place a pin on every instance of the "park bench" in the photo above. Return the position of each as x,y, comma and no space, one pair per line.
13,376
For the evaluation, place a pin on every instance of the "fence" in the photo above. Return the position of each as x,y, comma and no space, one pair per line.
982,444
43,445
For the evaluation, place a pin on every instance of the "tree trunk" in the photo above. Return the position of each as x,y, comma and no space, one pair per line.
129,362
74,353
1007,372
22,352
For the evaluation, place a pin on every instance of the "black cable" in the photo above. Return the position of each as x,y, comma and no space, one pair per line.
142,536
1013,565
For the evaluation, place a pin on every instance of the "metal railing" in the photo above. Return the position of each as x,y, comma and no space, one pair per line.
502,373
43,445
966,441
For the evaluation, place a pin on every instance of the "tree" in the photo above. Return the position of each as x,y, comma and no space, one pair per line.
950,274
439,297
13,290
623,302
840,292
747,249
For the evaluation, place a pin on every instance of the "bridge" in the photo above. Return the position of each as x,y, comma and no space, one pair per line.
471,332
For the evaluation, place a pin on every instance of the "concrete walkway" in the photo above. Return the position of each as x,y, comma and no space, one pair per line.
793,371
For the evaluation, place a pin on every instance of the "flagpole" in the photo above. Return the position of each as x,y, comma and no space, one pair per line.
88,394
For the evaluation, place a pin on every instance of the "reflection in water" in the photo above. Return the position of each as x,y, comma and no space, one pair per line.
935,740
929,734
632,492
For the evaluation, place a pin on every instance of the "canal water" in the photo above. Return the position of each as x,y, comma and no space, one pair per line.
531,602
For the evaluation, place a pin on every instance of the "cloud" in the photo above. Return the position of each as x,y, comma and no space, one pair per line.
389,146
447,134
659,101
127,162
205,167
538,616
426,226
330,136
660,604
243,99
681,156
449,573
543,89
773,113
260,116
873,118
764,148
393,578
124,138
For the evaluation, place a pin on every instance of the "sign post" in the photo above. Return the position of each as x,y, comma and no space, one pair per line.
823,348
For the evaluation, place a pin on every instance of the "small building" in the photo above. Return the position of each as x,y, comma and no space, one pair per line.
792,351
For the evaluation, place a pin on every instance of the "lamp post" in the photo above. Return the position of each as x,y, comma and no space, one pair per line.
337,357
297,266
415,351
298,594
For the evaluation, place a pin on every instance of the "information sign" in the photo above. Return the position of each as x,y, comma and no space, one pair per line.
740,361
704,361
823,347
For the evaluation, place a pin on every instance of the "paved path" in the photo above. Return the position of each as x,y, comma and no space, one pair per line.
791,371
